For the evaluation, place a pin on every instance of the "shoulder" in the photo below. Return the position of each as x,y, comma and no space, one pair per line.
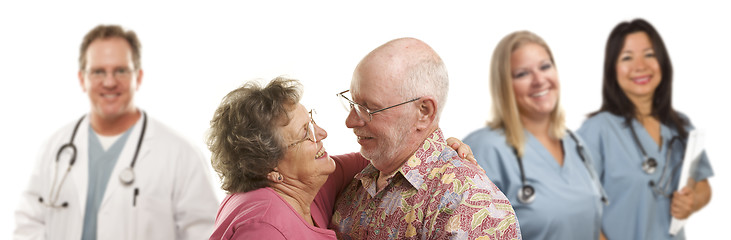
489,146
250,207
598,123
685,118
168,142
63,134
485,135
602,118
249,213
162,132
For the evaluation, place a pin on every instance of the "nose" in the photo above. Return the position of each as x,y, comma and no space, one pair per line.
353,120
320,133
539,78
640,64
109,81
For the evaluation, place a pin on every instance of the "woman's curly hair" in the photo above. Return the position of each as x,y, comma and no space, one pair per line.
245,139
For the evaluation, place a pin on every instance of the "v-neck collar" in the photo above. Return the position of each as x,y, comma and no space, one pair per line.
646,141
540,150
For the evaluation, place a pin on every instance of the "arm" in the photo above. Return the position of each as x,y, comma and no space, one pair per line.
689,200
346,167
591,133
29,222
482,213
257,230
194,201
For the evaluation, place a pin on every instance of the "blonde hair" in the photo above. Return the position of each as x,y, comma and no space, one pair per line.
504,106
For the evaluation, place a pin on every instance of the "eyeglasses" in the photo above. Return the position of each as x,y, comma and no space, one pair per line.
364,113
310,131
119,74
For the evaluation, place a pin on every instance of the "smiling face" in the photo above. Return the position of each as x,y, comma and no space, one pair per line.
385,139
638,71
306,161
111,97
535,81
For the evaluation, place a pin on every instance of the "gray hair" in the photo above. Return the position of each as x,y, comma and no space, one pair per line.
245,139
427,75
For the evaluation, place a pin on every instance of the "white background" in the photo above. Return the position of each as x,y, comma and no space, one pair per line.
193,54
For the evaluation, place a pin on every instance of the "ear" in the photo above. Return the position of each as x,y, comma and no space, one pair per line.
427,112
81,80
139,79
275,176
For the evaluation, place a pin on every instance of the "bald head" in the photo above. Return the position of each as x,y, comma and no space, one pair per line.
406,67
405,82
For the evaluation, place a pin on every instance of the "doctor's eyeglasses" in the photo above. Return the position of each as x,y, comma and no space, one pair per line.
364,113
119,74
309,132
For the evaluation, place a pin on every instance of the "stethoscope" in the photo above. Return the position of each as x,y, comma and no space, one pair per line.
649,164
127,176
527,194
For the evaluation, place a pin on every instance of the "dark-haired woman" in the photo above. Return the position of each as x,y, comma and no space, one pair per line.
639,140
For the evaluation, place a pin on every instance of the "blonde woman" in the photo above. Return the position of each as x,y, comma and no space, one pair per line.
527,151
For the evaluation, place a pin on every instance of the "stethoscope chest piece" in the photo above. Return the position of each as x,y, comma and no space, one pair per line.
127,176
527,194
649,165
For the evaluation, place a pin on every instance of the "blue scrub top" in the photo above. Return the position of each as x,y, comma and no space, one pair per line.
636,211
567,203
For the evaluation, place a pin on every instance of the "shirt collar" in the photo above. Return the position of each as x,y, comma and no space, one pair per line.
414,169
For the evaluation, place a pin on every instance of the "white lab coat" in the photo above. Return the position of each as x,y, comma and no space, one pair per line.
176,199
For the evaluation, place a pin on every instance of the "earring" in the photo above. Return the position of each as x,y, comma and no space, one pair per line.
275,176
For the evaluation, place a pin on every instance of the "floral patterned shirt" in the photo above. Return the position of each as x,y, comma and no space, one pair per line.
434,195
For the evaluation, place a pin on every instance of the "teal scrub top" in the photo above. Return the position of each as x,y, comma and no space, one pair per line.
101,164
636,210
568,202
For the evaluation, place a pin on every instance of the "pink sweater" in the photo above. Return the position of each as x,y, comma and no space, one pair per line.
263,214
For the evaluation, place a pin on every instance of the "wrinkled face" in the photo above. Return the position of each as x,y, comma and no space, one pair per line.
381,138
535,81
638,71
307,160
109,78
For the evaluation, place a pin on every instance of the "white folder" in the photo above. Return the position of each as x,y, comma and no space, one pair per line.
691,159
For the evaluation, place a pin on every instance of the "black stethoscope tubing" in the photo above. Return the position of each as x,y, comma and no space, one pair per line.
649,164
126,176
527,193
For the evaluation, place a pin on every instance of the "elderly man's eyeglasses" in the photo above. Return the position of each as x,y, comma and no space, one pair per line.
364,113
310,131
119,74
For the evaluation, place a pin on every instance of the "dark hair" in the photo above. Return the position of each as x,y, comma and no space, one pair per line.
106,32
245,139
615,101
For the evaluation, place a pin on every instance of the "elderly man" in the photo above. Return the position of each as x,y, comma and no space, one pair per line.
116,173
415,186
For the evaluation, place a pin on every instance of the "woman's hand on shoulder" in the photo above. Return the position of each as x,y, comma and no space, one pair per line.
464,151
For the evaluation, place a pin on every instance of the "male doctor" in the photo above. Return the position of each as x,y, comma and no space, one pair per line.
116,173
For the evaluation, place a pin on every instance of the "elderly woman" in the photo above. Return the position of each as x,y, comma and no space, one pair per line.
527,151
268,151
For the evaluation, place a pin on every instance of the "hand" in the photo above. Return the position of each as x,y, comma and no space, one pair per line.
463,150
682,204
